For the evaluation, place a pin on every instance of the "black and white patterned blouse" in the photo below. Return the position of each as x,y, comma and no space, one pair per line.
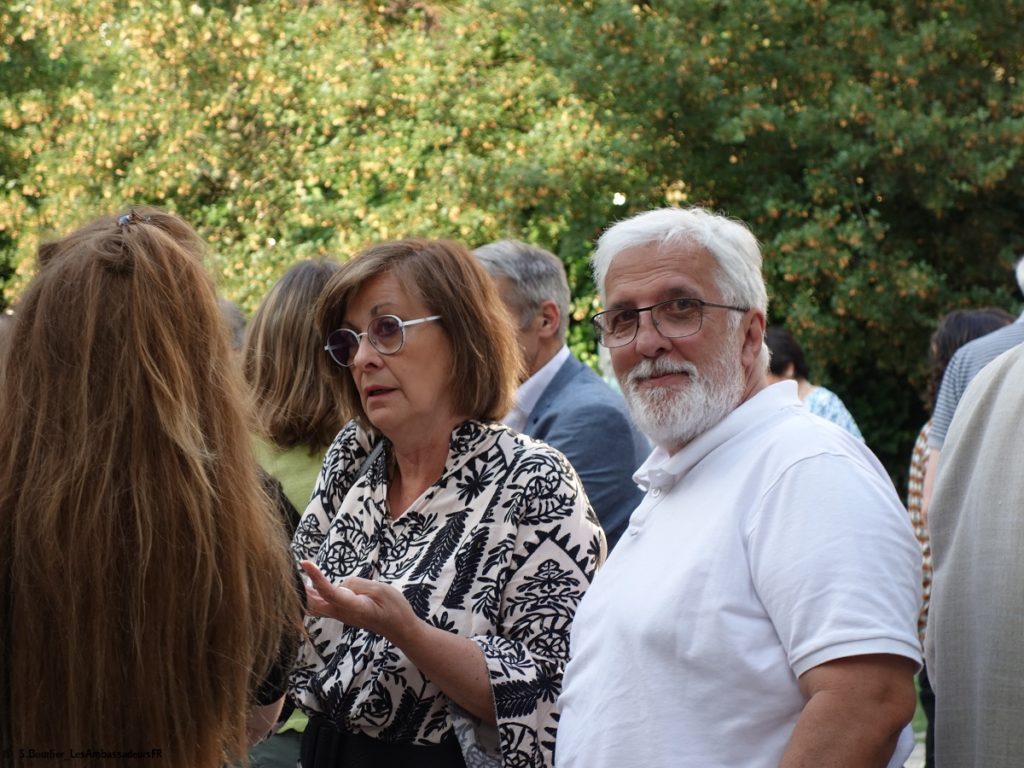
500,550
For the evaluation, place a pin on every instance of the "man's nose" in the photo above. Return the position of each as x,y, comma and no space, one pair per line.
649,341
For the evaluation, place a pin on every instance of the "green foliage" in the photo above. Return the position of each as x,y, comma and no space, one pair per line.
874,148
288,132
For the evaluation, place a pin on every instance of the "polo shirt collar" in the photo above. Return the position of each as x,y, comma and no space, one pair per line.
663,471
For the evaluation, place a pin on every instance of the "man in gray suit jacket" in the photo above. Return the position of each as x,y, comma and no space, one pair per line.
562,401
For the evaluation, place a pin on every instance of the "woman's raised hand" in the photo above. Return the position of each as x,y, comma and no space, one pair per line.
359,602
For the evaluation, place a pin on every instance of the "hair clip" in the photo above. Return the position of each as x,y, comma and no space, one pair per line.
125,219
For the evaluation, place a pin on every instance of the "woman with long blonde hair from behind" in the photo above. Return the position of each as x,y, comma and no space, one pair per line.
146,590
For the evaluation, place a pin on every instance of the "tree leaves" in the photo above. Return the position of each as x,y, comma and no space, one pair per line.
868,146
286,131
874,149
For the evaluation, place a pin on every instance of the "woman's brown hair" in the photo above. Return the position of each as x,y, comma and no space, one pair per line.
285,363
6,331
146,584
956,329
450,282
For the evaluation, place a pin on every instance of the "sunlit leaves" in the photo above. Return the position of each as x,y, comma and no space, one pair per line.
288,131
875,148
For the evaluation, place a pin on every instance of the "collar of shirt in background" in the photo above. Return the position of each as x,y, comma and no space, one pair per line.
529,391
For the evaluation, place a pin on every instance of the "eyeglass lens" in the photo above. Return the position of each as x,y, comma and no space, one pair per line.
385,334
674,319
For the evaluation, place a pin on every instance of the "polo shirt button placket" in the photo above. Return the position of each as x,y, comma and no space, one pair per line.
639,517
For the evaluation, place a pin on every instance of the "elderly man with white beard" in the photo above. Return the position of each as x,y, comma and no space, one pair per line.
761,607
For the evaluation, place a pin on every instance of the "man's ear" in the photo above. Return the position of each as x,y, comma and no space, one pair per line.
753,336
549,319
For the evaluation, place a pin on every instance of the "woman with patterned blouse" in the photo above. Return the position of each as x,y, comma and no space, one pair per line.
446,553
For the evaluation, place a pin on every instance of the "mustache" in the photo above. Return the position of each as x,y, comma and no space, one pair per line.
660,366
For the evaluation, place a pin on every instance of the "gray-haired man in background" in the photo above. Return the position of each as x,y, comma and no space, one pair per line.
562,401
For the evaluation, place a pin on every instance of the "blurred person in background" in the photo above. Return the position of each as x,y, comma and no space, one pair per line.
234,319
955,329
965,364
561,400
147,586
297,417
446,552
788,362
288,372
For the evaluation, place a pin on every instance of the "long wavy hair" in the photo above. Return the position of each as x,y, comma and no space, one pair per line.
285,363
145,585
6,330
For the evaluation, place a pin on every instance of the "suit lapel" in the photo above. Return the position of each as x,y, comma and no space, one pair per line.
568,371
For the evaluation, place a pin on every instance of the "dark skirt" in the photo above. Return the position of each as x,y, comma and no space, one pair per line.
326,746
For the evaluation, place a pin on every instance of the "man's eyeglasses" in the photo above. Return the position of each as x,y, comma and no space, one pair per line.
385,332
674,319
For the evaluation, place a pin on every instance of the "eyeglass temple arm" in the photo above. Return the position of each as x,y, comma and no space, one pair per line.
420,320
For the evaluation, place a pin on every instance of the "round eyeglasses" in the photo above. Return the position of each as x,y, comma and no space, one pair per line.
674,319
385,332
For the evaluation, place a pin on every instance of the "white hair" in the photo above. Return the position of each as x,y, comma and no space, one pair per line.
731,244
673,418
535,275
733,247
1020,273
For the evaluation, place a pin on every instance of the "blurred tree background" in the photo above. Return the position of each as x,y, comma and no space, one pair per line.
874,148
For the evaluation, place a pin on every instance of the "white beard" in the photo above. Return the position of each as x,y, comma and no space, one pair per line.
673,416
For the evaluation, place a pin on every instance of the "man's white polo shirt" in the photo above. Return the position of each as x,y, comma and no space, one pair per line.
769,545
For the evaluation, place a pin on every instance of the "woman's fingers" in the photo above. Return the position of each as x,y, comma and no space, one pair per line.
324,598
316,577
359,602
